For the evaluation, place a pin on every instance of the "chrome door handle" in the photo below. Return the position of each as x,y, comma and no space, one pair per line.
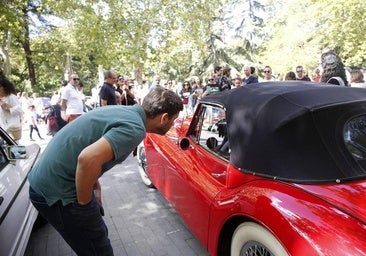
218,175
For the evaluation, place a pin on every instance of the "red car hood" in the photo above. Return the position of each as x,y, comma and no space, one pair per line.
347,197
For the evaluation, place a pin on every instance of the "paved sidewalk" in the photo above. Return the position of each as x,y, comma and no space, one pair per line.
139,220
25,140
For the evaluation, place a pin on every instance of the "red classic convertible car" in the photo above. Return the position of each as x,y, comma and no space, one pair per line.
276,168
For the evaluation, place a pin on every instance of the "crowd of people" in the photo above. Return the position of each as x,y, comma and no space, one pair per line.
119,90
331,70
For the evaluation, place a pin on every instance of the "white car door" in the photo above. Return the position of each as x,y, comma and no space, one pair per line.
17,214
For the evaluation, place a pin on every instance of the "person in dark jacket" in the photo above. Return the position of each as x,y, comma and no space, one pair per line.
107,92
249,75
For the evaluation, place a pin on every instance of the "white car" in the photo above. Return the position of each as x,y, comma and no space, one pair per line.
17,214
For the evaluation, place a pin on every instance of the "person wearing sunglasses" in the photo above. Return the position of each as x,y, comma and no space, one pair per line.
267,74
300,74
211,87
71,102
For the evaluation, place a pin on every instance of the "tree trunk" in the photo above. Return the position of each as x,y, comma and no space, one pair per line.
138,73
4,53
28,52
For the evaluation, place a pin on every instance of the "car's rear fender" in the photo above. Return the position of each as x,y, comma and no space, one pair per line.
300,221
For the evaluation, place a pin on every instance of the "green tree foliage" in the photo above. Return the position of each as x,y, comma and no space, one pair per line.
299,31
189,46
18,18
176,39
246,20
341,26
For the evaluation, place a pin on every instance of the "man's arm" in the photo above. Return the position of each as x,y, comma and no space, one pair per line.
206,92
103,102
103,97
63,109
128,91
89,165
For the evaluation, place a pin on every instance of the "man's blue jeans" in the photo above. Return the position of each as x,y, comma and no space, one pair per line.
81,226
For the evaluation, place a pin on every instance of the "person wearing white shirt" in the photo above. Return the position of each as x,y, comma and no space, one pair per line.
267,75
357,79
71,102
10,109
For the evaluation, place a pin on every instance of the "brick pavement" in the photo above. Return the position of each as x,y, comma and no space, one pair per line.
140,221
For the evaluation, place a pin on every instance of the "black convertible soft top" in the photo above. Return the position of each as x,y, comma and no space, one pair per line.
292,130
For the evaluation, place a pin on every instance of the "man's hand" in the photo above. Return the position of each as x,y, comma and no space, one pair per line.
98,192
98,196
5,107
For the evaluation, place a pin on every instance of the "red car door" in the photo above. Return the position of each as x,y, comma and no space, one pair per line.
192,177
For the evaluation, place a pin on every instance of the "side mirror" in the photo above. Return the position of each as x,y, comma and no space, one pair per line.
184,144
17,152
211,143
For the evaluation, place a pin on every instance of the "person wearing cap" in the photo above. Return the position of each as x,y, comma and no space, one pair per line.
71,102
64,184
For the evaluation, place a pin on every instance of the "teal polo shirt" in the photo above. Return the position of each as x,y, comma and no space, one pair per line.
53,176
